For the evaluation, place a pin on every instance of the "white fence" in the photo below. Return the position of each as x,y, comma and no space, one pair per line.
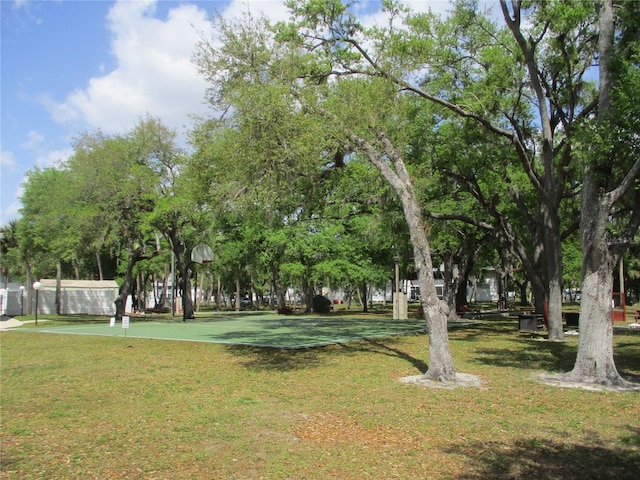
73,301
78,302
11,302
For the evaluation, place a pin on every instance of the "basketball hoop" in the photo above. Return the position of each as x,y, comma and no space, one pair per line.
202,254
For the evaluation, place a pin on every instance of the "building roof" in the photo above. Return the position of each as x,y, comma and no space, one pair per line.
50,283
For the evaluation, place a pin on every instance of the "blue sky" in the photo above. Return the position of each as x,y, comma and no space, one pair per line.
81,65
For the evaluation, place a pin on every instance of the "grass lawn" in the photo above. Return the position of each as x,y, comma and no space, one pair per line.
84,407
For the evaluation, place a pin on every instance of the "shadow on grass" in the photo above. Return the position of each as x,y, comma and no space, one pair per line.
279,360
309,332
293,359
487,328
626,352
527,353
530,354
503,346
382,347
545,459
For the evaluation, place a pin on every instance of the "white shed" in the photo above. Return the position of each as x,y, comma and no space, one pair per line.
79,297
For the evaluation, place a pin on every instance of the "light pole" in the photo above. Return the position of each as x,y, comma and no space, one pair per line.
37,286
21,300
173,283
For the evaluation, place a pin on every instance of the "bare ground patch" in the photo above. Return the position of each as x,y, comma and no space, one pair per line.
558,380
462,380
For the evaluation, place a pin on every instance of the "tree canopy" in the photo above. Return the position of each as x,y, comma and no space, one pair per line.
459,140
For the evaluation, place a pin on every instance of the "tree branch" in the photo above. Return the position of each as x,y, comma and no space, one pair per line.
625,184
461,218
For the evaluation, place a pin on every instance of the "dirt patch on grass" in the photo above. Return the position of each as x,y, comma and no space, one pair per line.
462,380
391,452
558,380
327,429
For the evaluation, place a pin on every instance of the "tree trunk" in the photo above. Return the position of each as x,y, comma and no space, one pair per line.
451,282
502,289
364,296
227,300
218,293
594,361
461,293
187,301
553,255
280,292
142,292
550,187
29,278
253,295
359,296
522,288
135,298
165,290
76,268
435,312
237,293
538,293
466,264
179,249
307,292
99,264
201,293
125,290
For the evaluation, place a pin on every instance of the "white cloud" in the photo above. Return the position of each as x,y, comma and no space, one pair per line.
12,210
34,140
19,4
51,158
275,10
369,15
154,72
369,12
7,160
441,7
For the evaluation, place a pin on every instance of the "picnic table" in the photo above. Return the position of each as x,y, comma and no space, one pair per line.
572,319
530,322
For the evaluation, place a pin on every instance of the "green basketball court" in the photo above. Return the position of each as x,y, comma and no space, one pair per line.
260,330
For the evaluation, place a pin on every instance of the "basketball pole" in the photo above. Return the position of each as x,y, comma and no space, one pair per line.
173,283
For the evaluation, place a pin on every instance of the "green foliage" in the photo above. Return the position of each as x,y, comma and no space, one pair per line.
572,261
11,258
116,191
46,232
273,184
